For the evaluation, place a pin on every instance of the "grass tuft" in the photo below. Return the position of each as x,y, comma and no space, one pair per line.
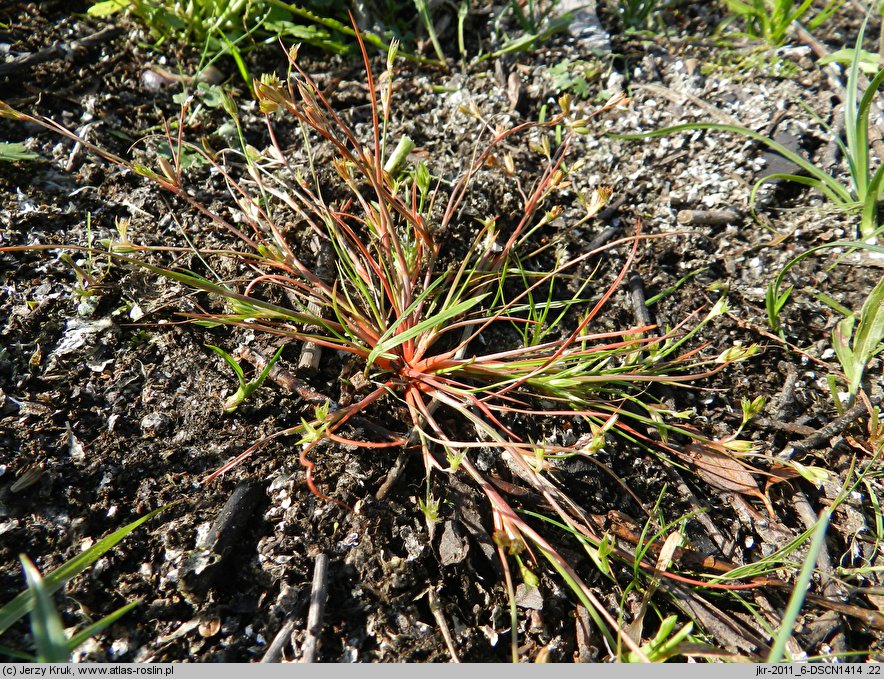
476,351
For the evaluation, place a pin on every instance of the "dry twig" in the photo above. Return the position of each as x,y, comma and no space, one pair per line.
318,595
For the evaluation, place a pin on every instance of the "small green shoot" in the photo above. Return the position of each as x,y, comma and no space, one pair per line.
235,28
246,387
856,340
666,643
538,23
635,14
423,10
770,20
799,591
750,409
49,636
857,343
774,301
12,152
430,508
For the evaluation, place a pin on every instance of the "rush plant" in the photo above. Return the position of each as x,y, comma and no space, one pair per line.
479,350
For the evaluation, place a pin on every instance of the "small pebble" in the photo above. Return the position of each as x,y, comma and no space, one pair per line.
155,424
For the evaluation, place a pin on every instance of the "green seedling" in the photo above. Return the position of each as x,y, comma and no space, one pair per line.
51,641
869,62
574,76
49,636
532,14
770,20
750,410
858,341
423,11
537,21
430,508
12,152
666,643
635,14
774,302
463,11
235,28
246,387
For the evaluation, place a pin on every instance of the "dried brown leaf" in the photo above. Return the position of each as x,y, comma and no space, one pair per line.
514,90
721,470
779,473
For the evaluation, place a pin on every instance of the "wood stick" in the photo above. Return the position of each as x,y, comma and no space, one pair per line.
436,609
639,307
274,651
58,51
318,596
311,353
708,217
834,428
393,475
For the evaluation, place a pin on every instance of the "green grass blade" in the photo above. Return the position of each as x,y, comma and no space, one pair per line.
49,637
441,318
857,245
858,155
824,14
835,197
88,632
21,605
258,381
870,331
230,361
463,12
200,283
423,10
869,220
234,52
797,14
335,25
800,590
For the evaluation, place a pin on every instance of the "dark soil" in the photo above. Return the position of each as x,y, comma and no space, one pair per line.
111,406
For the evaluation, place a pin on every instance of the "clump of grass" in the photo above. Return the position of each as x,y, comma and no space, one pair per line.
857,338
467,347
864,191
770,20
636,14
234,28
534,22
